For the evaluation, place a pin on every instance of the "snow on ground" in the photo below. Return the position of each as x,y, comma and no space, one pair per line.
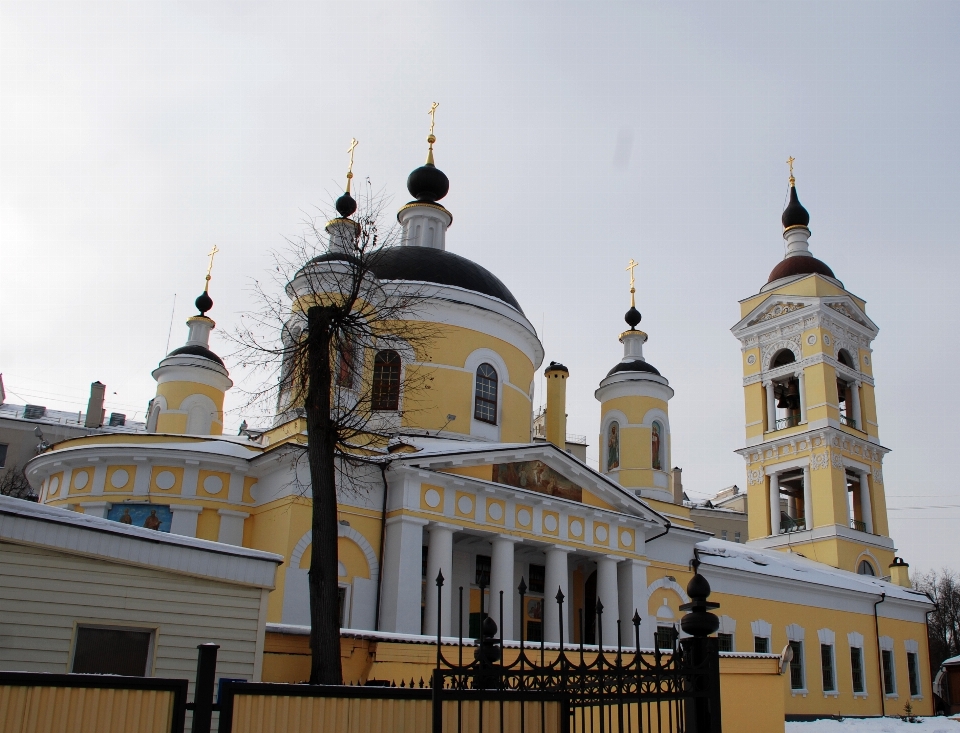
876,725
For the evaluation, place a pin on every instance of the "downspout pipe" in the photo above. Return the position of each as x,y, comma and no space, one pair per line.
383,534
658,536
876,621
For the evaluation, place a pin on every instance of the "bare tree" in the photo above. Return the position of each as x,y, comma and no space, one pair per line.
944,627
13,482
329,339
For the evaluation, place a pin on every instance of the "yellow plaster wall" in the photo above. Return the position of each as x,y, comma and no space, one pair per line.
177,487
224,489
176,392
593,500
484,472
208,525
77,472
248,483
131,478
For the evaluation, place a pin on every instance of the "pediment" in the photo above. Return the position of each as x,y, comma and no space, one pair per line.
788,308
540,468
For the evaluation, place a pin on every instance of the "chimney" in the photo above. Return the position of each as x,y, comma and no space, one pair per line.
900,573
556,417
675,477
95,406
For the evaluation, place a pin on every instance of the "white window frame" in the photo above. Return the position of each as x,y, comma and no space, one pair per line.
912,647
479,428
855,641
886,645
796,633
728,625
828,638
765,631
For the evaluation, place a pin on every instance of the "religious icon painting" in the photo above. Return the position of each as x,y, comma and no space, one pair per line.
613,446
157,517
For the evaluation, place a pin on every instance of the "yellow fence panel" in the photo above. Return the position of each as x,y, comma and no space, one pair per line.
38,709
281,714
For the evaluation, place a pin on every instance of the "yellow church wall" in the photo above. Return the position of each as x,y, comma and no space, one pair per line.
282,433
829,492
879,505
758,522
175,392
868,410
780,615
177,487
277,527
208,525
125,488
484,472
224,488
812,285
594,500
82,476
674,510
635,407
754,412
171,422
248,483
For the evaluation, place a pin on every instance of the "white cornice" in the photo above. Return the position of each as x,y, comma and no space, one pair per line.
829,437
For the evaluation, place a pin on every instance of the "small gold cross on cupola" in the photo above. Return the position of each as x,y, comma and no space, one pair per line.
431,138
211,254
790,162
353,144
630,267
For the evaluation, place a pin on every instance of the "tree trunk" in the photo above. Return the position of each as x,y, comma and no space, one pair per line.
324,590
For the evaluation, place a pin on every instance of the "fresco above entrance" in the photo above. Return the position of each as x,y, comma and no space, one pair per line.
536,476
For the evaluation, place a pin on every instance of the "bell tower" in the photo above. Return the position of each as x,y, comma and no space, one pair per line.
813,453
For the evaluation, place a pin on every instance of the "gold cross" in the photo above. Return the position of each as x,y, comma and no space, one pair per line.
790,161
630,267
210,254
433,115
353,144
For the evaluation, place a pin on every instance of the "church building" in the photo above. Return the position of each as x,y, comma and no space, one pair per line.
464,487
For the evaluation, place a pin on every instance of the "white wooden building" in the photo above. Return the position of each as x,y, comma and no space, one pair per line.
80,593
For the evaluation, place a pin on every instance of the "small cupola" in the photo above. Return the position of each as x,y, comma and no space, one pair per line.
797,260
424,220
191,380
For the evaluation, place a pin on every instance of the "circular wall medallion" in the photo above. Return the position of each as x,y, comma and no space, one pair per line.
166,480
550,523
80,480
576,529
866,359
54,485
752,359
465,504
826,339
432,497
211,484
523,518
626,539
119,478
812,339
495,511
601,533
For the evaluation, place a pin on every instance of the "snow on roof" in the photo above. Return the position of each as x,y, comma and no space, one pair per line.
68,419
791,565
29,523
951,661
215,445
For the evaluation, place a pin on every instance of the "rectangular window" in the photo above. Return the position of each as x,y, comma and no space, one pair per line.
726,642
736,536
483,570
796,666
723,534
826,668
3,455
535,631
913,672
664,638
761,645
112,651
856,664
889,679
538,575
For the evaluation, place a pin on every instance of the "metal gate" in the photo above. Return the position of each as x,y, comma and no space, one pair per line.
574,689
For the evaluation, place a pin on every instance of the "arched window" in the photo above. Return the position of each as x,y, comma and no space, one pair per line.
784,356
865,568
386,381
485,403
843,356
346,365
657,437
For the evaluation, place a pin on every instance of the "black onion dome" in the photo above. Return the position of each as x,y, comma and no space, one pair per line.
638,365
200,351
800,265
794,215
556,366
428,183
346,205
425,264
633,317
204,302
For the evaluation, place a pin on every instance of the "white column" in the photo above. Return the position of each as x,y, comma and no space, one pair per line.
439,560
807,499
855,395
803,396
96,508
632,589
866,507
608,595
402,558
231,526
99,481
501,579
774,504
771,407
184,519
556,575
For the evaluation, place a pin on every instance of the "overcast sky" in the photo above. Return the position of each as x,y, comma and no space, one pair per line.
134,136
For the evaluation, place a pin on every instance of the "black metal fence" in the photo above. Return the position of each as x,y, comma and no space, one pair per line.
599,689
